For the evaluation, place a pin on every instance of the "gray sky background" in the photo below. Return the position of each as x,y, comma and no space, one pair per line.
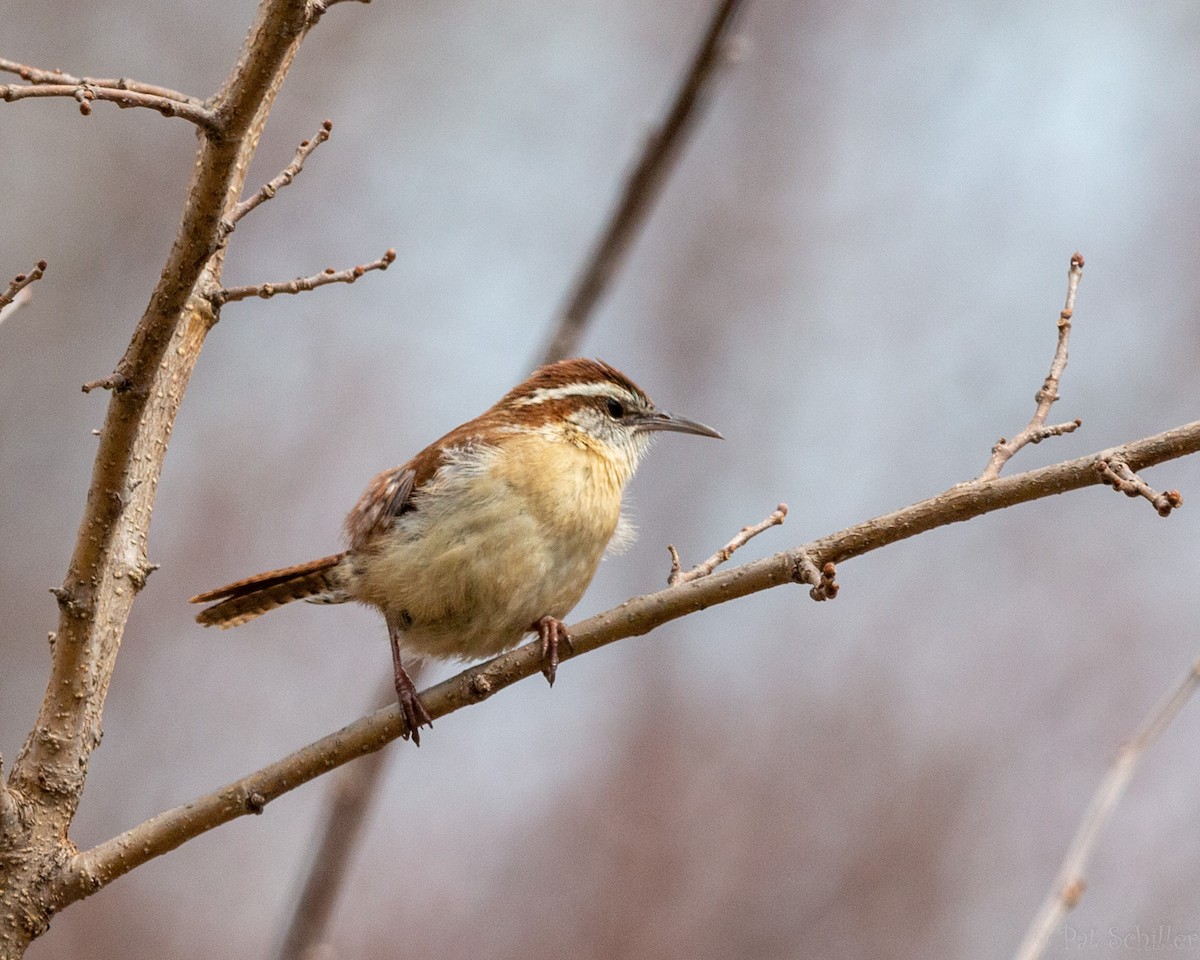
854,273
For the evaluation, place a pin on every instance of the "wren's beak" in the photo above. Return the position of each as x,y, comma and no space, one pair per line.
661,420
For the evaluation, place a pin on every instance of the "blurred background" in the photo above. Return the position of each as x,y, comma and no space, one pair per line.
854,272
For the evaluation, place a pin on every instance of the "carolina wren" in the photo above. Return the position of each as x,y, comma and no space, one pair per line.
490,533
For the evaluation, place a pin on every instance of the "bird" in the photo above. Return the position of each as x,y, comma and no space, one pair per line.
487,535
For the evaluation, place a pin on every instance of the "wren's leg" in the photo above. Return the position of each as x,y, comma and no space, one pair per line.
550,631
415,714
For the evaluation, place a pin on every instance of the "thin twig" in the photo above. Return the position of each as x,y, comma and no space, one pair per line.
122,91
1116,474
642,186
38,76
95,868
745,535
302,284
273,186
1036,430
1070,882
9,298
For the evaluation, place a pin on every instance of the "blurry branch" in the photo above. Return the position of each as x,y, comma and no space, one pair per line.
274,185
109,565
1036,430
123,92
745,535
1069,885
15,295
642,186
302,284
340,829
351,795
95,868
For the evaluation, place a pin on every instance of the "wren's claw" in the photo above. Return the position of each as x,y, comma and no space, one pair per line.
550,632
415,714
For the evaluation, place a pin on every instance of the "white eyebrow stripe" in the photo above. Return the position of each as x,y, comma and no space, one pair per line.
544,394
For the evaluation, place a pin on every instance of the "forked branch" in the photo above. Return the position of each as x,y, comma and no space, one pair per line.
744,536
1036,430
123,92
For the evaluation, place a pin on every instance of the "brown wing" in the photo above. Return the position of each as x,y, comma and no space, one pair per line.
388,496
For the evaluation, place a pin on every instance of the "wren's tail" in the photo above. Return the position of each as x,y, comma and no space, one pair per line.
254,596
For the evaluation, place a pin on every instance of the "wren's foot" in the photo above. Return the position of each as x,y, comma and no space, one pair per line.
550,631
415,714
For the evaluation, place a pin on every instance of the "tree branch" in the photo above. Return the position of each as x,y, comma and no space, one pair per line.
9,298
274,185
123,92
101,865
1069,885
1036,430
744,536
1115,473
109,564
642,186
302,284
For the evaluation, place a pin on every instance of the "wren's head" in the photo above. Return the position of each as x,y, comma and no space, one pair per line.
595,405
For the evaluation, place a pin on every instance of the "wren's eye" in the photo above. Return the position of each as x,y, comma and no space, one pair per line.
616,409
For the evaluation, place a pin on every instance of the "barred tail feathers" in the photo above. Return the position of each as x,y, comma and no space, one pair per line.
246,599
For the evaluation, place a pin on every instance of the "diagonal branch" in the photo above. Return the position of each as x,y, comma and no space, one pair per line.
277,183
1036,430
302,284
110,550
19,283
101,865
1070,883
109,565
1116,474
744,536
642,186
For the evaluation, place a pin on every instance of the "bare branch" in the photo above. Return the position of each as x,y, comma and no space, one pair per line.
1116,473
347,803
273,186
111,382
1069,885
1036,430
37,76
708,566
101,865
14,297
123,92
108,565
301,284
642,186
